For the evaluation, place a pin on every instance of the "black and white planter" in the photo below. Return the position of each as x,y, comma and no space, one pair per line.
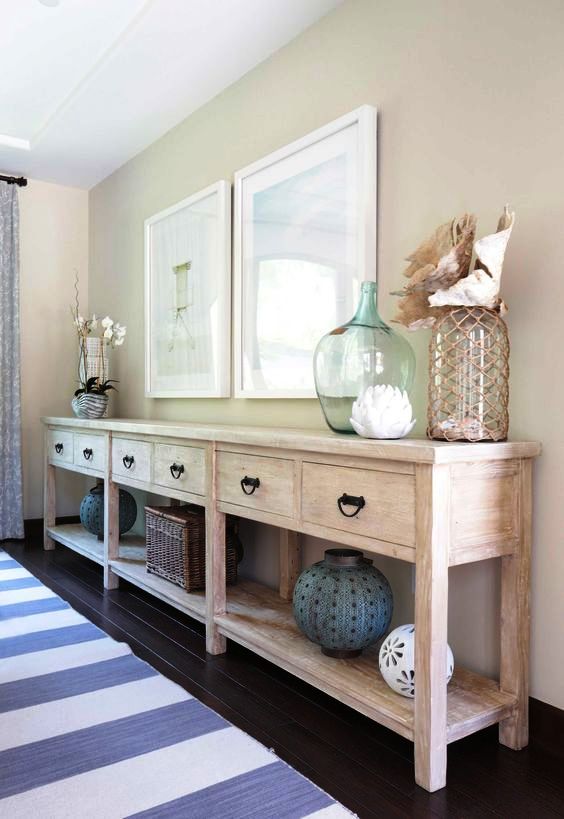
89,405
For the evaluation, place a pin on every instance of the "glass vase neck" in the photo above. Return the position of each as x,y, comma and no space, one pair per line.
367,311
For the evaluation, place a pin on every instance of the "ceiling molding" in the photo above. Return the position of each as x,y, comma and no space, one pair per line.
15,142
91,83
114,46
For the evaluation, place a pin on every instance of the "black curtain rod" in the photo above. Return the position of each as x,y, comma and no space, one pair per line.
20,181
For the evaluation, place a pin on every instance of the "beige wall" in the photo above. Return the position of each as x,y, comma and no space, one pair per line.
469,96
53,242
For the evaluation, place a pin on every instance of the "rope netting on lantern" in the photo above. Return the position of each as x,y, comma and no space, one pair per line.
469,376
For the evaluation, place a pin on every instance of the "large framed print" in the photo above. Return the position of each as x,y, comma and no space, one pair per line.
188,297
304,240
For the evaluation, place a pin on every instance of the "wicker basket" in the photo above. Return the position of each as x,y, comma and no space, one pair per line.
176,546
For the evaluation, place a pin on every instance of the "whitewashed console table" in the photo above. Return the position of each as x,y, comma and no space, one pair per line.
429,503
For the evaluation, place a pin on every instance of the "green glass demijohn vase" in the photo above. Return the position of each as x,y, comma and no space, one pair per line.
364,352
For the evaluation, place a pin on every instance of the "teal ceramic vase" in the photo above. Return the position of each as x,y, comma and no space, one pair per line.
343,603
364,352
92,511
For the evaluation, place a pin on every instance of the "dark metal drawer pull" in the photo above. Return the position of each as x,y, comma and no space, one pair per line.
176,470
254,483
88,453
128,461
350,500
58,448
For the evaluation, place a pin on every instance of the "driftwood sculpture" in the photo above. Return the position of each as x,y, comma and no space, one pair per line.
439,271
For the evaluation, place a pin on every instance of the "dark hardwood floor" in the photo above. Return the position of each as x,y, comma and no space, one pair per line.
366,767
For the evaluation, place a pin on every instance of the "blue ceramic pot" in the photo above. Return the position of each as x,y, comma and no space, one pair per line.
343,603
92,511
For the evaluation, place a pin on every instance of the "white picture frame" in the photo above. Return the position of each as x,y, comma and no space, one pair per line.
263,185
188,297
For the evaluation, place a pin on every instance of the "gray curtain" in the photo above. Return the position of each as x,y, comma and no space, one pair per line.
11,495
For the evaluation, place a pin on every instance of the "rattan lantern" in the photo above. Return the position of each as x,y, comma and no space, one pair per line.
469,376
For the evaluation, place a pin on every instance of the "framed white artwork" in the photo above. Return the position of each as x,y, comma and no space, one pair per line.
188,297
304,240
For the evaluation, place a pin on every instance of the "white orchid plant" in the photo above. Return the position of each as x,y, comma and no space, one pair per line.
112,334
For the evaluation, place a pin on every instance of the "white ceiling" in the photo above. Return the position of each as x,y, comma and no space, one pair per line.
89,83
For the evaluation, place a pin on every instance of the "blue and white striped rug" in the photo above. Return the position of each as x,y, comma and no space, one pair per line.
89,730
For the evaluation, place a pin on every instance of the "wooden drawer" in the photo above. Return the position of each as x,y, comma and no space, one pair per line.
389,501
187,462
90,451
138,454
60,446
277,481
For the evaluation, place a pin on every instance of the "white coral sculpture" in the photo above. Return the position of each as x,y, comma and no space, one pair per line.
382,412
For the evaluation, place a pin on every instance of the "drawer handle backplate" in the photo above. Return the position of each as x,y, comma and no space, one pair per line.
58,448
254,483
88,453
176,470
128,461
350,500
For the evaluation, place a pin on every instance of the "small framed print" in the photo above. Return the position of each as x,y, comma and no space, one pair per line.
305,239
188,297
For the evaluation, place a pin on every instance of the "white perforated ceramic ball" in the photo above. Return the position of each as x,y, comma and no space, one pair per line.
397,660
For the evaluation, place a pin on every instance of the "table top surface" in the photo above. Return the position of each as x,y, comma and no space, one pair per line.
421,450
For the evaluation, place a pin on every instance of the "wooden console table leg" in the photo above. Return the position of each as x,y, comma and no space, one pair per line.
49,498
290,562
431,620
111,523
515,621
216,598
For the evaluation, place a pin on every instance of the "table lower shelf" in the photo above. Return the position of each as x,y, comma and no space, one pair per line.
260,620
192,603
75,537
